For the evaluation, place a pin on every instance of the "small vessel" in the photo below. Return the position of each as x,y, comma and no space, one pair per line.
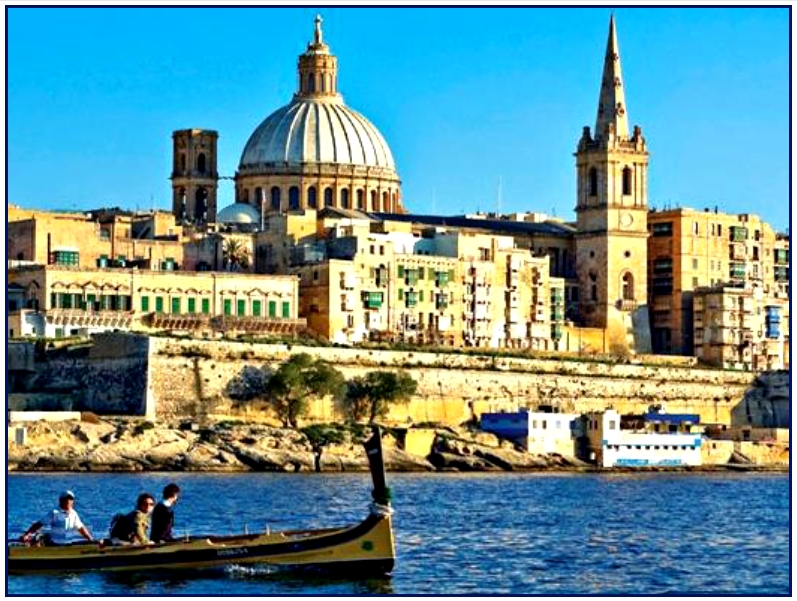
365,549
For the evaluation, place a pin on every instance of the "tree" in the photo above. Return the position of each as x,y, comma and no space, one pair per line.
236,255
297,380
373,394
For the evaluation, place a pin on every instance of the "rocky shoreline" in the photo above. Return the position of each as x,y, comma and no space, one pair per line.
119,445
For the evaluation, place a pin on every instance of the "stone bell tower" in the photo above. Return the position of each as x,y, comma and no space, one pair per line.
195,177
612,209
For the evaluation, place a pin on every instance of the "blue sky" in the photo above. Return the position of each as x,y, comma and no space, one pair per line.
463,96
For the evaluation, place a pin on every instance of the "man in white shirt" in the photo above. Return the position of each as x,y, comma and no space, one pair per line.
61,522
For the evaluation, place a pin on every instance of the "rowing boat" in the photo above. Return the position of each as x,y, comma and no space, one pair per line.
365,549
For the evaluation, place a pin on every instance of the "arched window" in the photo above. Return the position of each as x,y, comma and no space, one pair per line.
328,196
626,181
259,197
386,202
246,195
293,198
312,197
200,163
323,82
374,202
344,198
628,286
276,201
311,82
593,181
201,206
360,199
394,204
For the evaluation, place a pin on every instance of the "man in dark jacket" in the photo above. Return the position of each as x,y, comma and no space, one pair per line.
163,515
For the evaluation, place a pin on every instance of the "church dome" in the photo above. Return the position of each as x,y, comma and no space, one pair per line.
316,152
239,213
316,130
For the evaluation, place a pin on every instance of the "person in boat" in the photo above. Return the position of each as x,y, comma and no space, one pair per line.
62,522
132,528
163,515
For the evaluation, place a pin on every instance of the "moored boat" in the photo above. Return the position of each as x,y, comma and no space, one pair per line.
363,549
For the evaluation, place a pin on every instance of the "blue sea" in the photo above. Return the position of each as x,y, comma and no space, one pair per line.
498,534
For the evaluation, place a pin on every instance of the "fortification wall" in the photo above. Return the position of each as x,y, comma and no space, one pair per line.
197,378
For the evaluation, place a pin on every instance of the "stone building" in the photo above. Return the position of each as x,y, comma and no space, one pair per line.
612,207
317,152
195,176
690,249
54,301
741,328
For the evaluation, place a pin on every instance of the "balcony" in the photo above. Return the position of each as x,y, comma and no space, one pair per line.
738,233
627,305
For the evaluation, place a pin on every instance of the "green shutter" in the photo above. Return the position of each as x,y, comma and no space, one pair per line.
420,273
228,306
192,305
144,304
205,306
241,309
420,296
256,306
286,310
176,306
272,308
401,271
159,304
401,293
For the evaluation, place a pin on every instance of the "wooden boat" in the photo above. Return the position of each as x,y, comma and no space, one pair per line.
365,549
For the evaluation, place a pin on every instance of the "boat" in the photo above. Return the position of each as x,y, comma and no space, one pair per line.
364,549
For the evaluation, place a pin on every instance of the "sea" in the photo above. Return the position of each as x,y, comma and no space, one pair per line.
456,534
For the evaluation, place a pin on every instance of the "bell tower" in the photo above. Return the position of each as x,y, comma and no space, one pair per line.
195,178
612,208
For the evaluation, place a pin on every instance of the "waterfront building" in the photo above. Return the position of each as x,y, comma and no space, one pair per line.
691,249
654,439
538,432
741,327
54,301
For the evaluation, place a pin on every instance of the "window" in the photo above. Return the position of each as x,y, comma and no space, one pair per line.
159,304
276,201
695,263
227,306
176,306
144,304
201,163
328,197
206,306
695,283
626,181
272,308
293,198
695,228
593,181
662,229
312,197
286,310
344,198
374,201
594,293
192,305
628,286
240,307
256,308
612,424
360,199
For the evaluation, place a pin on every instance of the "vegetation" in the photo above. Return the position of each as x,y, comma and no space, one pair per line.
372,395
296,381
236,255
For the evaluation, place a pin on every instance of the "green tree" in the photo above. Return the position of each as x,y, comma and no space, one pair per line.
373,394
236,255
296,381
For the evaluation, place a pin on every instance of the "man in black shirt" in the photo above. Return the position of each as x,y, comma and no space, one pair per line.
163,515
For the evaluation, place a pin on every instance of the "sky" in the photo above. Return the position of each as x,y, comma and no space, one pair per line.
482,107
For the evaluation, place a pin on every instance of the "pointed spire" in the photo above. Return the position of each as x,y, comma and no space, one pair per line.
319,35
612,110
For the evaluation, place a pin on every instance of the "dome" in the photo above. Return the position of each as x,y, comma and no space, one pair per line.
310,130
239,213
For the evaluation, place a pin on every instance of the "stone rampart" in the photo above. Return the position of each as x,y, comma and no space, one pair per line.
196,378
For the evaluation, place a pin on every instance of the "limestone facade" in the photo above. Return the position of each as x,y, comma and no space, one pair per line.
56,301
195,176
691,249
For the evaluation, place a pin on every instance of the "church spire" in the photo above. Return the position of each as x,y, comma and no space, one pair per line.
612,111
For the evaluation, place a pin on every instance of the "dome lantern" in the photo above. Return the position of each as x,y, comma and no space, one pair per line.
318,69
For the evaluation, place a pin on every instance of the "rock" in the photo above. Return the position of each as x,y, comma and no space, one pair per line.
397,460
449,461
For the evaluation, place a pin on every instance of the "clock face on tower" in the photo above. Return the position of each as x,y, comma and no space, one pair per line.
626,220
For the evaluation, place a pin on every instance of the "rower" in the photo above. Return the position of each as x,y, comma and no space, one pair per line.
61,522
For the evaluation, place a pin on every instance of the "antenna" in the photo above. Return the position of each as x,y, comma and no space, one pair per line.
500,191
